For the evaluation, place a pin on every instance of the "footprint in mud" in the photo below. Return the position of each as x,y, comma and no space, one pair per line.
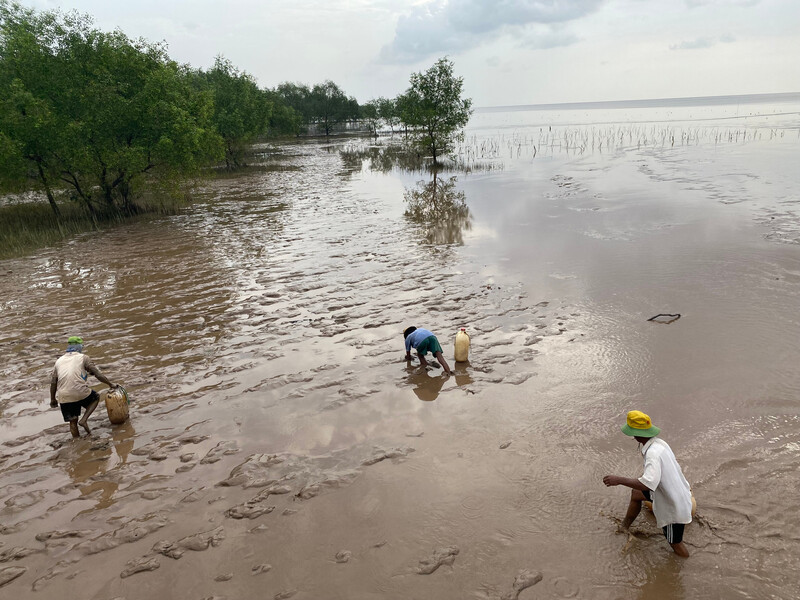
522,581
223,577
442,556
564,588
139,565
504,445
343,556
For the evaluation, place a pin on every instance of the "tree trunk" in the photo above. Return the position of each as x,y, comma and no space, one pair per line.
48,191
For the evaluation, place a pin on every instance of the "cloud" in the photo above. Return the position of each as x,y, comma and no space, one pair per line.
540,37
720,3
451,26
702,42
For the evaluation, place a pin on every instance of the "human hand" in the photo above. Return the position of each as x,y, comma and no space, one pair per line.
53,404
408,355
610,480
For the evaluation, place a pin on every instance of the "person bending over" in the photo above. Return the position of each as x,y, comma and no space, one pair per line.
69,388
662,483
424,341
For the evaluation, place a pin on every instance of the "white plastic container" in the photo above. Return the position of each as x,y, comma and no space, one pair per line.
462,346
117,405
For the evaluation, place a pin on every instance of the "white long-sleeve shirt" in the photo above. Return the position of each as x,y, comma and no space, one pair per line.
672,496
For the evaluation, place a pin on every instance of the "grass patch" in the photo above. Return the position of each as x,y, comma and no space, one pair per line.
27,226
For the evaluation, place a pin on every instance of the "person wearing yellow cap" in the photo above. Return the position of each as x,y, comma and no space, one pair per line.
69,387
662,483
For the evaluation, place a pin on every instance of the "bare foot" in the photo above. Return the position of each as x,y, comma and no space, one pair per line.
85,425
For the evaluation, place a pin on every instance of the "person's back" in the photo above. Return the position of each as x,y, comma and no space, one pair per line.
70,370
69,388
424,341
416,337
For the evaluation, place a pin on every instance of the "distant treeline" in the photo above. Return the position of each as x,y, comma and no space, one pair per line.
103,123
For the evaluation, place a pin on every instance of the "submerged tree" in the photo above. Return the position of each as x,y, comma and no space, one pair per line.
95,111
284,119
370,113
296,96
433,108
330,106
387,111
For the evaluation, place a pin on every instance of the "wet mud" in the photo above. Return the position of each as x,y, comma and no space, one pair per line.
280,445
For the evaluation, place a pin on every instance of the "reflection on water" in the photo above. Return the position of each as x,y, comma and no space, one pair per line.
427,384
664,581
440,210
257,334
91,468
382,158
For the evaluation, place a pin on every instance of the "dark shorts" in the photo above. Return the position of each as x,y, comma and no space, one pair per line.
429,344
72,410
674,531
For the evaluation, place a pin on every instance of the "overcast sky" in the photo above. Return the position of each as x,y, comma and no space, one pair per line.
507,51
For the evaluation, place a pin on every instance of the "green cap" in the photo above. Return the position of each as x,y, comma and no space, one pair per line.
75,339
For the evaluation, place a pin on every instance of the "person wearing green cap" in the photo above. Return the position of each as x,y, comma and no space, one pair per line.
662,483
69,387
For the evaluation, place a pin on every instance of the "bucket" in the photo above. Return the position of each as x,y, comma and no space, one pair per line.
117,405
462,346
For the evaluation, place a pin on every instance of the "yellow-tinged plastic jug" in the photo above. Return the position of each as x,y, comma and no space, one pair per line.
117,405
462,346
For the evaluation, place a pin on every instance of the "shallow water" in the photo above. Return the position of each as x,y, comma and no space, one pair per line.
280,445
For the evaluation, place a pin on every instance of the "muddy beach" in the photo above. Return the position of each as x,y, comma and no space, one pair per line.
279,446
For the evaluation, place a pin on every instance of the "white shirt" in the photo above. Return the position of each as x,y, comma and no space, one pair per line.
72,370
672,496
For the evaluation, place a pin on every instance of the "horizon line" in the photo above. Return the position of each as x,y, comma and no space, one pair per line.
643,102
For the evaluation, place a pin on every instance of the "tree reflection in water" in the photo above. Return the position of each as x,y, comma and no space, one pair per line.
440,210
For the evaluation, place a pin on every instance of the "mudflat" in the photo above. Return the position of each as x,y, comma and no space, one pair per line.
280,447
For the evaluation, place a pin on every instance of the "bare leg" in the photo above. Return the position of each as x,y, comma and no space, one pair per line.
73,427
443,362
681,550
422,361
89,411
634,508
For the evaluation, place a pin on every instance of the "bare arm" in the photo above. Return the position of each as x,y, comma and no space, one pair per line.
635,484
91,368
